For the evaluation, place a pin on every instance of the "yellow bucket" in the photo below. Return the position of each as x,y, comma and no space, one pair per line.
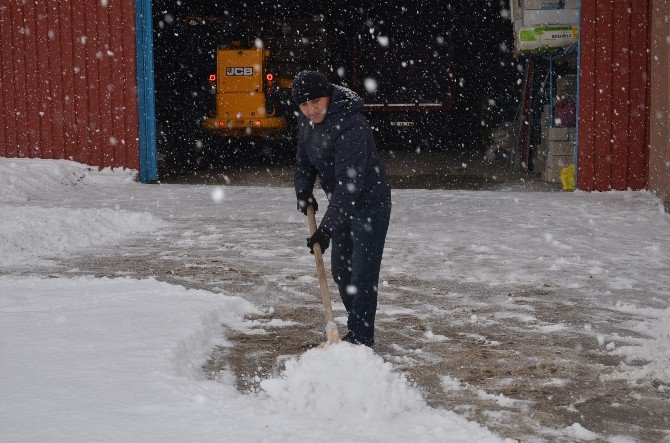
568,177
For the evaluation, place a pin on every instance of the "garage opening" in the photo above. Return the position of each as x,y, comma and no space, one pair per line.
440,80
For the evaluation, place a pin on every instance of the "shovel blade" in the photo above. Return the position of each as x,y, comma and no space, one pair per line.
332,337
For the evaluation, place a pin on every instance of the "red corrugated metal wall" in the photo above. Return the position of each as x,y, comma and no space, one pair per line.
68,88
614,95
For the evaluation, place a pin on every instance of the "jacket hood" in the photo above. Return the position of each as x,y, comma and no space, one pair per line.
343,102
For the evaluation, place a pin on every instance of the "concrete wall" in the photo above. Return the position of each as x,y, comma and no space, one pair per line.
659,151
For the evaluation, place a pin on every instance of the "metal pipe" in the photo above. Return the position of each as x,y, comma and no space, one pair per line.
145,91
579,60
551,91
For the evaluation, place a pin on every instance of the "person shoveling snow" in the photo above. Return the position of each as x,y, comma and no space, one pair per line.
336,144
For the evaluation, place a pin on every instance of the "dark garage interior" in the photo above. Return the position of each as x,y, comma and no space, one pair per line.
448,68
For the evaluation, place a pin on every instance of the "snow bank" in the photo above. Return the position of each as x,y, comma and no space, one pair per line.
28,232
84,357
29,179
30,228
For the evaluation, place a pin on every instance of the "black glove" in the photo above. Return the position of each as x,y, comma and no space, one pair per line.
306,199
322,237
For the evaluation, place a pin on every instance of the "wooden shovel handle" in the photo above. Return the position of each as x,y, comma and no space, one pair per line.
331,330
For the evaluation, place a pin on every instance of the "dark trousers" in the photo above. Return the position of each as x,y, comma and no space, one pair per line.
356,257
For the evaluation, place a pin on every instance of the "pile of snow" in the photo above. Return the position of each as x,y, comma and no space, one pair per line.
30,228
349,379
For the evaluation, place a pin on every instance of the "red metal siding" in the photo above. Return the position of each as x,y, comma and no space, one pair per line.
614,95
68,88
129,111
587,91
638,165
620,95
55,80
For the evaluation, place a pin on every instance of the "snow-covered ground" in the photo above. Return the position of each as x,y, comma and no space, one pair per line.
89,358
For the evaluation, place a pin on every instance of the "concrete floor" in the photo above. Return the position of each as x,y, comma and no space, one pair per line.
407,170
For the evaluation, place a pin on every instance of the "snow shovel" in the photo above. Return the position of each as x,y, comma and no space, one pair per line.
332,336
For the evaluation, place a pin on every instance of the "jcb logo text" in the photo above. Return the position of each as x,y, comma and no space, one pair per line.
239,71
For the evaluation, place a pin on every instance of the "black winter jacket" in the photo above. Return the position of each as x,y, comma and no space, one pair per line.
341,151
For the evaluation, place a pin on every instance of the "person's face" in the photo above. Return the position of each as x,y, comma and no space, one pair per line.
316,109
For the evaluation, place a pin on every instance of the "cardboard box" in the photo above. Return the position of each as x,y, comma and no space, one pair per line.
564,147
547,4
542,17
544,24
544,37
553,166
561,134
